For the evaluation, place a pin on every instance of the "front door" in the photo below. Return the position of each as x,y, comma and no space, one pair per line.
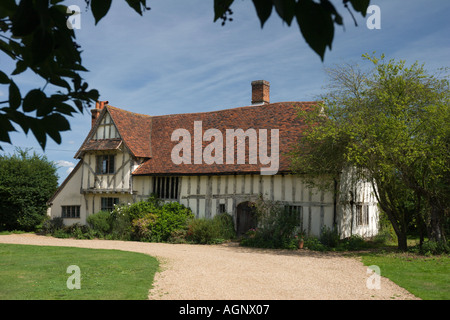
246,218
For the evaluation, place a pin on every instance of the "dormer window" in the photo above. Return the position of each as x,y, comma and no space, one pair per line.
105,164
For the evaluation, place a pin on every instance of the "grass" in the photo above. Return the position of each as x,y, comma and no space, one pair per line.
40,273
426,277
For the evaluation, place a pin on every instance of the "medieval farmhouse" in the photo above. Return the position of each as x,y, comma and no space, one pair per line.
212,162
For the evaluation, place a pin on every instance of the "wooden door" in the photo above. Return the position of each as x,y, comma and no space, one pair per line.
246,218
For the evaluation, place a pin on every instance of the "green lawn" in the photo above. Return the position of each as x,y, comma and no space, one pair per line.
426,277
40,273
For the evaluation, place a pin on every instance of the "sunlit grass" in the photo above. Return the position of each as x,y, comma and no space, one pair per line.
40,272
426,277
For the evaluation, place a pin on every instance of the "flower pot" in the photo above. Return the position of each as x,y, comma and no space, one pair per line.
300,244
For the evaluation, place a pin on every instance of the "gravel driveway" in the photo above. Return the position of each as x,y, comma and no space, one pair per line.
224,272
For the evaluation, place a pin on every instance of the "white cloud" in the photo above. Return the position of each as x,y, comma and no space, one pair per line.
69,170
64,163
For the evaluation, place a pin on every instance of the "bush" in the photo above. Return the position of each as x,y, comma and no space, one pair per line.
329,237
276,228
170,217
434,248
211,231
354,242
100,222
51,225
142,227
313,243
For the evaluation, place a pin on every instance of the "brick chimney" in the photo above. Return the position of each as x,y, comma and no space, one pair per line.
260,92
99,105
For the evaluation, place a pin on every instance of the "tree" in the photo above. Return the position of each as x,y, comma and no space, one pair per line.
391,125
26,183
34,34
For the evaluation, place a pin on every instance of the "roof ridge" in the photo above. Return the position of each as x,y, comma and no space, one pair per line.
237,108
126,111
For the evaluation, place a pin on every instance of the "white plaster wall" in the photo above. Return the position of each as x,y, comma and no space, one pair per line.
70,195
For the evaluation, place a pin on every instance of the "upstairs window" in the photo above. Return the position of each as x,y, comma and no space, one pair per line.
105,164
166,187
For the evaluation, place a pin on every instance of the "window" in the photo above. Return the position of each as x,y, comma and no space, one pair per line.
108,203
222,208
166,187
362,215
297,212
105,164
70,211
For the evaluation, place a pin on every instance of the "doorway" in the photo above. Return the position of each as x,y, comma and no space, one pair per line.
245,218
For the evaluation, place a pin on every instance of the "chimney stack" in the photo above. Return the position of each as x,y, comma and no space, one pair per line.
99,105
260,92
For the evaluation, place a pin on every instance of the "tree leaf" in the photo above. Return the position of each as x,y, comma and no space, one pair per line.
6,126
100,8
263,9
7,7
4,79
360,5
285,9
33,100
316,25
25,20
15,98
42,45
136,5
21,66
37,127
221,7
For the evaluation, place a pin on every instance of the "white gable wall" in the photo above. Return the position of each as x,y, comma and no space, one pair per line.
69,195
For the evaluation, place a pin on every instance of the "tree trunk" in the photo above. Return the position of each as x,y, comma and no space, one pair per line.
402,243
437,233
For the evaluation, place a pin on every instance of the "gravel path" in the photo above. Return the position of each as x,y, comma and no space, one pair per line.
224,272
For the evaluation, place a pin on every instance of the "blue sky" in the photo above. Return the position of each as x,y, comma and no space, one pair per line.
175,59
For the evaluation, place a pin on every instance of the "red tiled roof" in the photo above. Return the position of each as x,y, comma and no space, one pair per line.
149,137
282,116
134,129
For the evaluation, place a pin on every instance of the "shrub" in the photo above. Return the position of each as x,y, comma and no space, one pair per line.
170,217
51,225
313,243
100,222
225,224
434,248
142,227
276,228
329,237
210,231
354,242
79,231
